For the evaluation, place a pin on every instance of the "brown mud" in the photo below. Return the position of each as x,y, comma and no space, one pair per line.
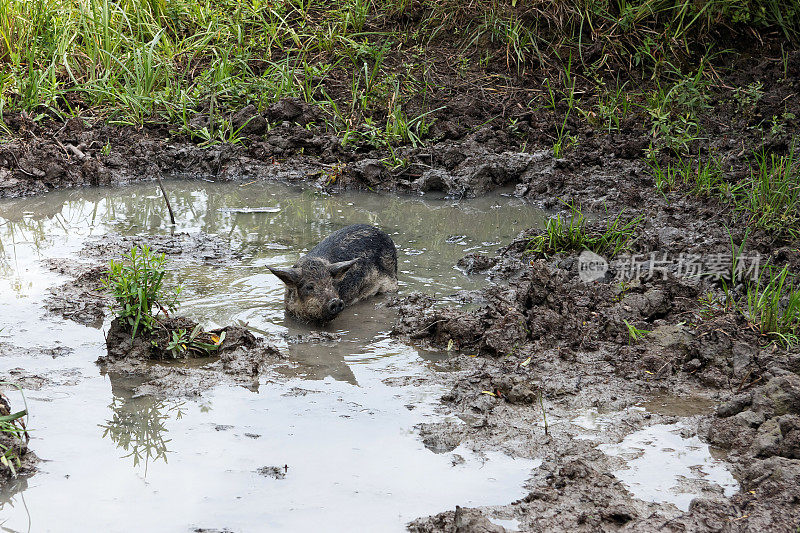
537,343
478,141
240,358
544,343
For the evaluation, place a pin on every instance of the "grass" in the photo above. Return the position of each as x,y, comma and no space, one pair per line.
771,197
700,178
635,334
574,233
768,200
13,428
771,301
773,305
373,72
674,107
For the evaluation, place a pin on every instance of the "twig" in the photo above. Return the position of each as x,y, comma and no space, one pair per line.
166,199
544,415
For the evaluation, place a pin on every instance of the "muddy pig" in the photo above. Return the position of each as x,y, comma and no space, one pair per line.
348,266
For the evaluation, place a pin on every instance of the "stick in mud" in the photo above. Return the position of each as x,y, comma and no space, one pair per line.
544,415
166,199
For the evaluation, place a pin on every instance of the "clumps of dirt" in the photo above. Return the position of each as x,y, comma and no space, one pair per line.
313,337
188,247
45,156
462,520
82,299
10,349
275,472
155,344
36,381
547,306
760,423
474,263
239,356
542,343
441,437
654,327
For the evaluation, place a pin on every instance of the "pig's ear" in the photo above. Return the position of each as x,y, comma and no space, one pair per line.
338,269
289,276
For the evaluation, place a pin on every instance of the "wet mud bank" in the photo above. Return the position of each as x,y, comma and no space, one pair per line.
238,357
542,347
477,141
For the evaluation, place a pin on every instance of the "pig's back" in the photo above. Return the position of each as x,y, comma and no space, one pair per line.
359,240
376,270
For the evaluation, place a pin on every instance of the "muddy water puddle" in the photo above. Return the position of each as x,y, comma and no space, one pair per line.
663,463
329,440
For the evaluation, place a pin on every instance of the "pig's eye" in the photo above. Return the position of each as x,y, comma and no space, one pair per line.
308,287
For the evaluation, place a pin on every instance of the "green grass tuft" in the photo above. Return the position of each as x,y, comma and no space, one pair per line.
575,233
771,197
773,305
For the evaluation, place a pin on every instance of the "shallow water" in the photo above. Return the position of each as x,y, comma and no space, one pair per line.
333,443
661,465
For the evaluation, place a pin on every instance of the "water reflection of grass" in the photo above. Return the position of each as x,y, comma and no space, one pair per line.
138,426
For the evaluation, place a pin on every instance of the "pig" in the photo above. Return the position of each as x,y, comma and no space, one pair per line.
348,266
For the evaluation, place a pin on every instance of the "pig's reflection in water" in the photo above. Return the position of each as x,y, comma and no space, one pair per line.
359,327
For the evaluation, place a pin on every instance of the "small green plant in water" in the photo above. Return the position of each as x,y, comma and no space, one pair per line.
137,285
14,435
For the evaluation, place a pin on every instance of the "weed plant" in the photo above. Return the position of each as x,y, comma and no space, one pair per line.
14,435
771,197
157,61
137,285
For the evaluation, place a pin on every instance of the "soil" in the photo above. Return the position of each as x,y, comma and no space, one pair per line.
239,359
543,341
537,339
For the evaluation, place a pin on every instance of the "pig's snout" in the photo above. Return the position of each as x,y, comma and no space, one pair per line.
335,306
